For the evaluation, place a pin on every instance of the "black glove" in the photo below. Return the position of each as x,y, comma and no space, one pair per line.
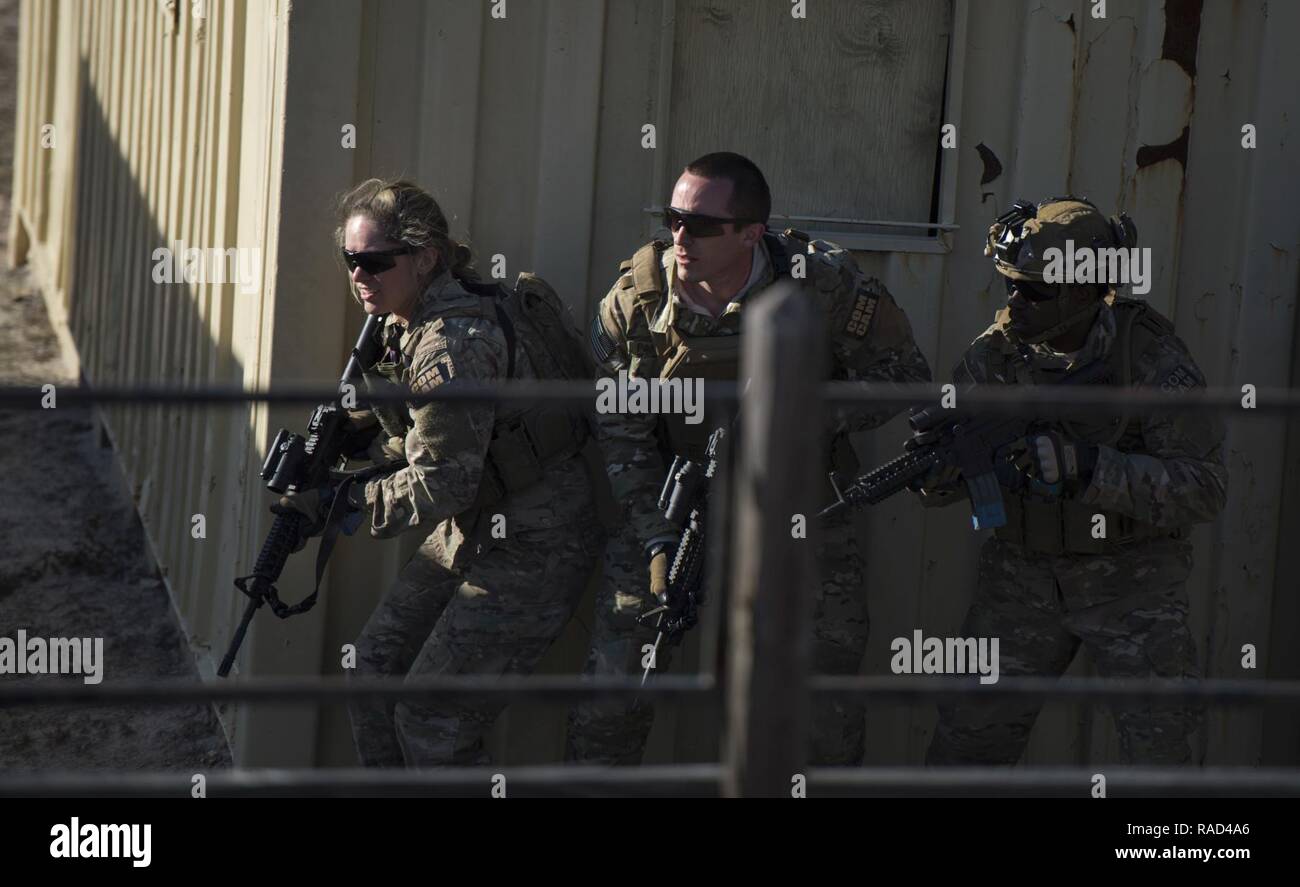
1057,462
310,504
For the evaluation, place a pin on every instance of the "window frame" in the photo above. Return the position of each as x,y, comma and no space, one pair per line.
854,234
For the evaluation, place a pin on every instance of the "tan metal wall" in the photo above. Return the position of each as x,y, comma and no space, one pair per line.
167,128
529,130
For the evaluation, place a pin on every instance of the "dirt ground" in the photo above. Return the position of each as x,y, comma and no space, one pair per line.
73,559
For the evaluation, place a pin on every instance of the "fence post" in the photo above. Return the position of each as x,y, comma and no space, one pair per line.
778,476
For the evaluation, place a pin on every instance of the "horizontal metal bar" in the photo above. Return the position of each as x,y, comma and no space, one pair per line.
995,399
693,688
911,688
221,395
1065,782
873,223
682,780
834,220
867,241
306,689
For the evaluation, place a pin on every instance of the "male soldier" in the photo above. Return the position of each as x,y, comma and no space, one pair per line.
680,305
1046,585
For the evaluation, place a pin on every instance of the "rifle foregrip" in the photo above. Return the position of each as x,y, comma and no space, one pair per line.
892,477
280,543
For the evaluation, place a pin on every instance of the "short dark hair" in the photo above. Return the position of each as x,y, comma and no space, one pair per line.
750,197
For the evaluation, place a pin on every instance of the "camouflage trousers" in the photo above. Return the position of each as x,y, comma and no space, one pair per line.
616,732
454,610
1128,609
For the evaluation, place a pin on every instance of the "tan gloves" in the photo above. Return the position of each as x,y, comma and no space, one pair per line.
659,566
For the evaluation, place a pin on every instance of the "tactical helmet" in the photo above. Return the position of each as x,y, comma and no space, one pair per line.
1019,237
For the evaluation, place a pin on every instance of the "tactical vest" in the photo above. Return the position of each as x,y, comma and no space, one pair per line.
712,358
1065,525
526,439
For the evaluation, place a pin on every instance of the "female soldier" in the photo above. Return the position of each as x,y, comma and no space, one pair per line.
501,490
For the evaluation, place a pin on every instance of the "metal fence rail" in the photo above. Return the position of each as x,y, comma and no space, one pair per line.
307,690
695,689
1045,400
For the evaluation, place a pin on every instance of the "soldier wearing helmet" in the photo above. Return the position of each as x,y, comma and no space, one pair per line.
1020,243
1094,553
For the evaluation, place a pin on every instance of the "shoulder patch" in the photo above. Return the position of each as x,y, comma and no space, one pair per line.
1180,379
865,300
438,372
602,343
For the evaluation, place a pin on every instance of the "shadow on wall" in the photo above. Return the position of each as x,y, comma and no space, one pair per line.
129,329
177,462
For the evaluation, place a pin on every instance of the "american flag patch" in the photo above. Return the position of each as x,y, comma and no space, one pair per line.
602,343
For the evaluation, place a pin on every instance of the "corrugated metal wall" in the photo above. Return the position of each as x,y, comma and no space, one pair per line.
529,130
166,134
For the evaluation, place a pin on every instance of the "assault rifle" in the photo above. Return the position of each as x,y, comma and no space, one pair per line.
684,501
974,445
296,463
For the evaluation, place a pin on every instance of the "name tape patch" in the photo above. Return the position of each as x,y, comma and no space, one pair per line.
864,308
437,374
1181,379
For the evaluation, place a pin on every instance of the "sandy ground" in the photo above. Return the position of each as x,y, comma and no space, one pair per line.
73,560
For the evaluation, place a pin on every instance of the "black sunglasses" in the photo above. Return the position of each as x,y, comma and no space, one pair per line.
698,225
1034,292
374,262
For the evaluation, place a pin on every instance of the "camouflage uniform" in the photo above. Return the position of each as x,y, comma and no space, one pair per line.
1046,586
466,602
871,340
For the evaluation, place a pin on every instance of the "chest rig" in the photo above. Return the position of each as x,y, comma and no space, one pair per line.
526,439
1059,526
714,358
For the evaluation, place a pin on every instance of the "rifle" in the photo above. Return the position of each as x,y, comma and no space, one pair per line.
963,441
684,501
296,463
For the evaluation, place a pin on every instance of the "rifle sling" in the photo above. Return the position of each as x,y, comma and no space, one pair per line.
329,536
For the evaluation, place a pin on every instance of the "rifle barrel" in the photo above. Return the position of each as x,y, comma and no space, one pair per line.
238,640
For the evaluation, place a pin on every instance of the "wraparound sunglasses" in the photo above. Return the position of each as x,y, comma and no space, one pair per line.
375,261
1034,292
698,225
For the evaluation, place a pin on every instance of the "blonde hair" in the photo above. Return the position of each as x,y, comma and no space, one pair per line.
406,213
